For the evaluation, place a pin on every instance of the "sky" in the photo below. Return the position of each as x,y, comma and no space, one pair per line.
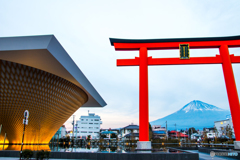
84,27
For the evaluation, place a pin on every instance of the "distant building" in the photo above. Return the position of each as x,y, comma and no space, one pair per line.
61,133
158,131
176,134
129,131
222,125
115,131
211,135
196,136
88,125
132,136
109,134
209,130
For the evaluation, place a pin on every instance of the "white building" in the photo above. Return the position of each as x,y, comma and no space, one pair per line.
128,131
61,133
221,126
88,125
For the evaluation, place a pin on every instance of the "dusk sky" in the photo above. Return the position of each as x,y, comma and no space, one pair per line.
84,27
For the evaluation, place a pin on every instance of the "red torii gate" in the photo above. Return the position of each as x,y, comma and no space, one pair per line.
143,45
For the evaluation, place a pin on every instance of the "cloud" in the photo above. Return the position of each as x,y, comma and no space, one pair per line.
84,27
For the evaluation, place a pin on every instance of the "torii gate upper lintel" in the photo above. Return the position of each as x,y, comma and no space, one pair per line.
143,45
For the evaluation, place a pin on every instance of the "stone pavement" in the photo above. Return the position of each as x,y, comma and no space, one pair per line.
206,156
202,156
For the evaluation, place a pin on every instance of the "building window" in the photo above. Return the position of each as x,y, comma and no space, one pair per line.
135,131
86,119
82,119
90,123
90,132
90,127
83,127
96,128
91,119
96,119
84,123
83,131
95,123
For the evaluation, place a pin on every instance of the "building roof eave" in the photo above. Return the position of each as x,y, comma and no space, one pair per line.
46,53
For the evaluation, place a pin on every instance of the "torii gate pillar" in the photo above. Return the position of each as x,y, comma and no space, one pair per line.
231,91
143,142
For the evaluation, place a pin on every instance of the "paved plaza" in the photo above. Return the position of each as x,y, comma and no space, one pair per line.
206,156
202,156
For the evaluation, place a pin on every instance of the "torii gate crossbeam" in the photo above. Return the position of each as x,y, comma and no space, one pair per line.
143,61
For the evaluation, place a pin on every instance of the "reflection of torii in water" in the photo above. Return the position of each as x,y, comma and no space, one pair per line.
143,45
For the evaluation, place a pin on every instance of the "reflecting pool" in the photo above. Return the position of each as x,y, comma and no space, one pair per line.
105,148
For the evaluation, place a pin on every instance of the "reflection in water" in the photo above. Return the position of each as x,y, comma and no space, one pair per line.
93,148
32,147
108,149
103,148
3,147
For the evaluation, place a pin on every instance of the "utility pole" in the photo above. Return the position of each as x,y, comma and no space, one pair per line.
166,131
76,132
73,129
176,129
184,138
192,133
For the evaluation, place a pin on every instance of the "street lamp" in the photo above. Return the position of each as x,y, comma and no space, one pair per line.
25,122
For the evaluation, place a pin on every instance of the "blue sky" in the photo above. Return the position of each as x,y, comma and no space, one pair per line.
84,27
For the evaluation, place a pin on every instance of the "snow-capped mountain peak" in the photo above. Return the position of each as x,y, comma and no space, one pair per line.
194,114
197,105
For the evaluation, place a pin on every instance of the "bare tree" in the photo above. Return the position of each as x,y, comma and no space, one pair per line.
216,133
228,131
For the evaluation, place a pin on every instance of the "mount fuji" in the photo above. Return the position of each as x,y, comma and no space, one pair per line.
195,114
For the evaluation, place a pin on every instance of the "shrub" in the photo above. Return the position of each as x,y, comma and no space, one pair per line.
40,155
27,153
47,154
43,154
